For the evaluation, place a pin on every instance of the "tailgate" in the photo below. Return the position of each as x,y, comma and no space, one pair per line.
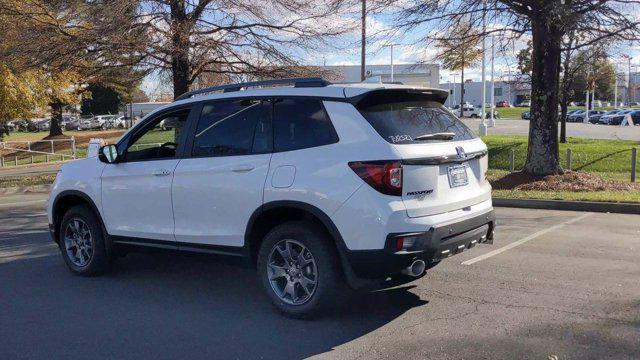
435,185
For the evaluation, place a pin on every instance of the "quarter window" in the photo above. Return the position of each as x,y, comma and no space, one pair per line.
300,124
238,127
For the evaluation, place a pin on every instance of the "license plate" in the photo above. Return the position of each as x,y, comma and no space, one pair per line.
458,175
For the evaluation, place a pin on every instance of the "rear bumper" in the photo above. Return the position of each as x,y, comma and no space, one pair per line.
432,245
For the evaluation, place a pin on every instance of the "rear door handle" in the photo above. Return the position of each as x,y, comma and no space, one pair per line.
242,168
161,172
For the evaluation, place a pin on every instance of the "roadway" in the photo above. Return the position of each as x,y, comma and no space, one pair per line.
554,283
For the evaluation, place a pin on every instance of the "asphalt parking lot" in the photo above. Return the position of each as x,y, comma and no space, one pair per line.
554,283
590,131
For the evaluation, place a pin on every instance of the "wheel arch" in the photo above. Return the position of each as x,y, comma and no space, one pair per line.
275,213
64,201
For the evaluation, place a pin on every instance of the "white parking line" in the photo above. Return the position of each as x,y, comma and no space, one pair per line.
23,202
523,240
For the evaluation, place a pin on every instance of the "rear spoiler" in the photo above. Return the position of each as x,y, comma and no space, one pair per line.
387,96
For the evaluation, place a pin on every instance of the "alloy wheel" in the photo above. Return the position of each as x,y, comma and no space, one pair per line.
78,242
292,272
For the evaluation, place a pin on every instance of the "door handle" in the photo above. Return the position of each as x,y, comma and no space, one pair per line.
242,168
161,172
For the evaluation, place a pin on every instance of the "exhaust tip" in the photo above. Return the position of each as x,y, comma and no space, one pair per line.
416,268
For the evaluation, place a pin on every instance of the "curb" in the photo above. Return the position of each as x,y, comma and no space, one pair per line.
592,206
32,189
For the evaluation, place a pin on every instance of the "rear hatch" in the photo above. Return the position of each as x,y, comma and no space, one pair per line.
444,163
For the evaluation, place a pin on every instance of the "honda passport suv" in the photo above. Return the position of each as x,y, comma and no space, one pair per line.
316,185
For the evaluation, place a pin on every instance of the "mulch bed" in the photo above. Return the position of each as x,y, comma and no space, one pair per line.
569,181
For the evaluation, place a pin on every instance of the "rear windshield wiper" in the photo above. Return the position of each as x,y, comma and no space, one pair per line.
436,136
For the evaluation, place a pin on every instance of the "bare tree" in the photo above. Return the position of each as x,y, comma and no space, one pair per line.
460,52
548,22
232,38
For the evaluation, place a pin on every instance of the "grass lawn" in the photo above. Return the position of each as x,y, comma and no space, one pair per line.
609,158
27,180
511,112
601,196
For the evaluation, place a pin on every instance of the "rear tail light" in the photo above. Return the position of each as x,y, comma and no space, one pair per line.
384,176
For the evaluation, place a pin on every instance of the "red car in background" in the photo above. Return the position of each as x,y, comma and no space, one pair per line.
503,104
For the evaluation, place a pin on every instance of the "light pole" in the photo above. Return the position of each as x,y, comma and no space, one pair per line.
615,90
391,62
391,45
483,126
492,120
364,39
454,88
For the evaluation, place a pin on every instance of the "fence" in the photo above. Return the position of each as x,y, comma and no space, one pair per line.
31,152
620,164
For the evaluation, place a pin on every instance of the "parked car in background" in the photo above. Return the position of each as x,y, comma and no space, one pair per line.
525,103
615,119
468,111
580,115
503,104
595,119
98,122
635,116
42,124
74,124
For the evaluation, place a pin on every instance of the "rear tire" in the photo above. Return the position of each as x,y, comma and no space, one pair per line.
313,264
81,242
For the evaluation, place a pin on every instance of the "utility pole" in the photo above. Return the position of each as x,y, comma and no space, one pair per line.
364,39
615,90
483,126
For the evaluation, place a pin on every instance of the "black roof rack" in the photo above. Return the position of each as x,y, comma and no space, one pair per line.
296,82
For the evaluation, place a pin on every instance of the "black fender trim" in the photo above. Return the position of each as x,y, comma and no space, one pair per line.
324,218
76,193
350,277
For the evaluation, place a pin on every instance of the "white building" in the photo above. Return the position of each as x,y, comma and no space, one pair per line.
426,75
513,92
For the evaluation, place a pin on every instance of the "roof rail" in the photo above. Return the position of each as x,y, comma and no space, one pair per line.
296,82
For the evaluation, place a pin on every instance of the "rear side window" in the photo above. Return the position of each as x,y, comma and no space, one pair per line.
237,127
403,122
300,124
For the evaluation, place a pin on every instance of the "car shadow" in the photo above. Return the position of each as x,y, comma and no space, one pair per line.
167,306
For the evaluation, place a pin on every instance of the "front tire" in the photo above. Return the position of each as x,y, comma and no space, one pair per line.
81,241
299,269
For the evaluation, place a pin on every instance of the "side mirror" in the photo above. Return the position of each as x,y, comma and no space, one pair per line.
108,154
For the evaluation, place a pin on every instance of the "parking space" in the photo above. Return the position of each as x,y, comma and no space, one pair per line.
554,283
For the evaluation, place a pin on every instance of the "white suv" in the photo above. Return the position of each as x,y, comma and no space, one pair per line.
315,184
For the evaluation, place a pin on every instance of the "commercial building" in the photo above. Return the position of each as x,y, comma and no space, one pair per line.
511,91
426,75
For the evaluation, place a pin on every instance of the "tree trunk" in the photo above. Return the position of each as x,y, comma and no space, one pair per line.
180,65
56,118
462,90
542,154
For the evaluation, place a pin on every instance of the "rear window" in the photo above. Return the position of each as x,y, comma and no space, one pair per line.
402,122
